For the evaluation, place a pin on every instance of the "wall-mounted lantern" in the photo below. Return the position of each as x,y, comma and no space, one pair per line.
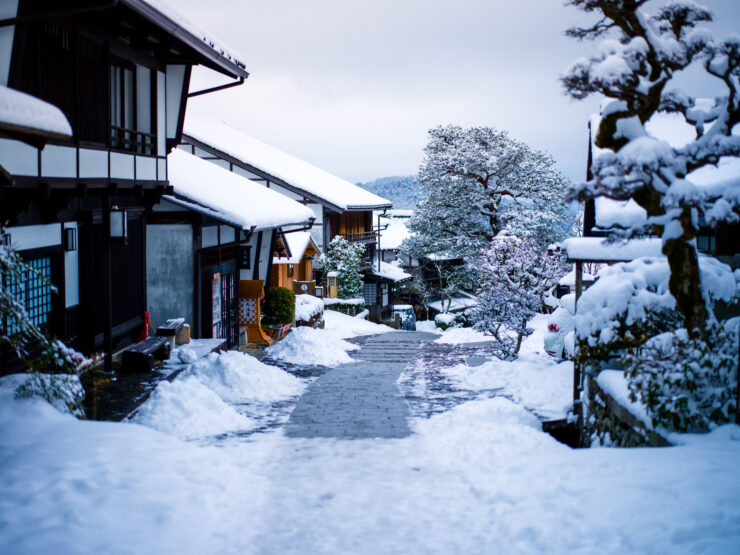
118,223
70,239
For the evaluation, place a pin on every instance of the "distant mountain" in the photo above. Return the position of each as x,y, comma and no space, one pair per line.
402,191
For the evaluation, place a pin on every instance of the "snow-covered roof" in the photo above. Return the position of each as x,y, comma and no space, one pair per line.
298,242
619,213
596,249
391,272
27,115
569,279
296,175
392,237
168,18
229,196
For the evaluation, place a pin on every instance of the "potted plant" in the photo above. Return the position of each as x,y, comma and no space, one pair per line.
278,311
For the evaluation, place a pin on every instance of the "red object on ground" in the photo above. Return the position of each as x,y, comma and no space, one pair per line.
553,327
145,332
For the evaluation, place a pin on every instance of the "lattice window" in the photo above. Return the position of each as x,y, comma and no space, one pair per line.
34,291
369,291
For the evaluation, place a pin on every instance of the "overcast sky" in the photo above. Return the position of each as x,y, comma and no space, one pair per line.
352,86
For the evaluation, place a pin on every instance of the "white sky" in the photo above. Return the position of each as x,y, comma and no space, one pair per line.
353,86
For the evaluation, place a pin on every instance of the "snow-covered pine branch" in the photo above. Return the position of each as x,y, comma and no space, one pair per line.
639,56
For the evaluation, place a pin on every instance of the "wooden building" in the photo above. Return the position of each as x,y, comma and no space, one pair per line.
340,207
297,263
120,73
215,229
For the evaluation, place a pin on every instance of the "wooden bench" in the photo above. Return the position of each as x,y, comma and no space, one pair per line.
142,356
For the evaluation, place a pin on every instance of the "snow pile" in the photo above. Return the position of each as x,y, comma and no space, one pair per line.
229,196
187,409
21,110
239,377
619,213
307,306
198,403
325,347
74,486
312,347
456,336
300,176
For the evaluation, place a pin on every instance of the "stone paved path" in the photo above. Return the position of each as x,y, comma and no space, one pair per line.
361,399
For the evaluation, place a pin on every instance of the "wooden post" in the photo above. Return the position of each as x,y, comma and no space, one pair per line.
107,295
579,281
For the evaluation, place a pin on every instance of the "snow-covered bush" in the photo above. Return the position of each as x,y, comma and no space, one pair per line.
515,273
686,383
55,370
629,316
345,258
445,321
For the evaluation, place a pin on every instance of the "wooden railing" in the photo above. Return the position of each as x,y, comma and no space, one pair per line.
132,140
364,237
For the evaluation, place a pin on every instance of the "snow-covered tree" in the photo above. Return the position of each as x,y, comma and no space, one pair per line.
479,182
55,371
515,272
345,258
634,67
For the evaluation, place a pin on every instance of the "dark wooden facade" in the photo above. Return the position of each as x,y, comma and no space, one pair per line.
120,72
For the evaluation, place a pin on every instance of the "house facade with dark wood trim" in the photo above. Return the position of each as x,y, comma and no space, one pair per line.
77,208
212,231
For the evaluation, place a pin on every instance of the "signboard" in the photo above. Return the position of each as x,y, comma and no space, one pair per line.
216,303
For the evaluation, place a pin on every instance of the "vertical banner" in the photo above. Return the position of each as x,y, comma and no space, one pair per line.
216,304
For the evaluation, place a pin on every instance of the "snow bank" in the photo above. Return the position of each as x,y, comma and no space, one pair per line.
241,378
307,306
310,346
71,486
615,384
187,409
341,325
456,336
198,403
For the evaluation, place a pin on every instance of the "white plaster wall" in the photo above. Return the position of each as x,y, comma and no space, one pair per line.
35,236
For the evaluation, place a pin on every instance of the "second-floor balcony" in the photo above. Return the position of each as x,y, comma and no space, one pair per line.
364,237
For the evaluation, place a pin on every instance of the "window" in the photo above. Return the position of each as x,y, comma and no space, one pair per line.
132,107
369,291
34,291
706,243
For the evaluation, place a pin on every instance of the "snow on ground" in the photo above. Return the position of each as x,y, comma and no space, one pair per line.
199,402
452,336
324,347
536,381
478,478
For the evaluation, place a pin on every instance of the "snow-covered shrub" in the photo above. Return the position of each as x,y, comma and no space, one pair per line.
345,258
55,371
446,321
515,273
686,383
629,316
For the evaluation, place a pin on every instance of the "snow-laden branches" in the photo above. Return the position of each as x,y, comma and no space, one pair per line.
633,67
514,274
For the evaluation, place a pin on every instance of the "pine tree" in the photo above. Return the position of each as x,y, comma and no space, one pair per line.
345,258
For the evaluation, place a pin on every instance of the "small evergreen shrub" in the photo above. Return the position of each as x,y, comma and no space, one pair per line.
446,321
278,306
345,258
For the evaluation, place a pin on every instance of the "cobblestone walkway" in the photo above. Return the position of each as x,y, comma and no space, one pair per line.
361,399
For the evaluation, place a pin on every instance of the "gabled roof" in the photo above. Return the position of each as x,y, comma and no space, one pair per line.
283,169
298,243
213,190
168,19
30,119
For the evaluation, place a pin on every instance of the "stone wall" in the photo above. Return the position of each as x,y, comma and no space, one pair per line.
607,422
